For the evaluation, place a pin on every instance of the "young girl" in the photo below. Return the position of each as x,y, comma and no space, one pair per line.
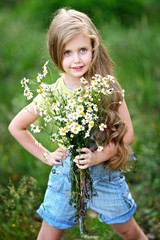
76,49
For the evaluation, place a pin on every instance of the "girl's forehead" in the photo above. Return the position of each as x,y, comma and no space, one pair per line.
78,40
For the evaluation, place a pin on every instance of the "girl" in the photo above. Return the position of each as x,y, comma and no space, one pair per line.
76,49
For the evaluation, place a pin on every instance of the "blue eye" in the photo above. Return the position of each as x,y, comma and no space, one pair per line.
67,53
83,50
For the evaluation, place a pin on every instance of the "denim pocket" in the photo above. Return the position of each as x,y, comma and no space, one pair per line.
56,182
127,197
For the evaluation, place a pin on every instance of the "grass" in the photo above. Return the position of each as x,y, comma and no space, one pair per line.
23,178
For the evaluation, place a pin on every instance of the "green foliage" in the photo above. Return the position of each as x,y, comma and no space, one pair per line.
127,12
16,210
135,51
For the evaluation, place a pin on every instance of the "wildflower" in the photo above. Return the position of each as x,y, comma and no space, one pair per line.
71,102
123,91
28,93
55,106
65,95
85,95
35,128
40,91
45,64
82,114
24,82
80,108
47,118
88,116
80,99
111,78
62,132
78,90
87,134
110,91
36,105
95,108
75,116
120,102
45,155
91,124
83,80
13,225
42,112
75,130
53,137
37,143
100,148
89,110
102,126
84,121
39,77
81,128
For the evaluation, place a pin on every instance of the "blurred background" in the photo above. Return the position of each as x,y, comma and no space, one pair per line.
130,31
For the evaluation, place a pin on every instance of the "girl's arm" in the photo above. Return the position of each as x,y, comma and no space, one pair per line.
93,158
18,128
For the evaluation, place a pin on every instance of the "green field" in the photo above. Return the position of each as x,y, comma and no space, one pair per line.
133,41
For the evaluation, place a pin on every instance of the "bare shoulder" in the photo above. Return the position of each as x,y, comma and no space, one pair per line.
24,118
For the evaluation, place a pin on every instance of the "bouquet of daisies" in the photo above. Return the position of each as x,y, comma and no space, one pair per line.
76,117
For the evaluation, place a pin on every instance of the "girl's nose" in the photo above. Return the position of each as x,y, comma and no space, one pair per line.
77,58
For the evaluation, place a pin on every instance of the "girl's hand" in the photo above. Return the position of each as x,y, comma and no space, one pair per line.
85,160
59,154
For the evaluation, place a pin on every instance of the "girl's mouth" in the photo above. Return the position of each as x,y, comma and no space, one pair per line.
79,68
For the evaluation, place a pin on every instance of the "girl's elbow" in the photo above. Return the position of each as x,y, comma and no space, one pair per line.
129,138
11,128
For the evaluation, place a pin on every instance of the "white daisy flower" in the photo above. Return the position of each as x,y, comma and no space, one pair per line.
42,112
29,95
55,106
85,95
35,128
90,110
102,126
111,78
62,132
83,80
123,91
36,105
80,99
45,155
53,137
95,108
38,143
75,130
24,81
110,91
84,121
81,128
71,102
88,116
47,118
75,116
91,124
80,108
87,134
39,77
100,148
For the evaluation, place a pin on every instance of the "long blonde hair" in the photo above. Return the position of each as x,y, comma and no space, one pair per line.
66,24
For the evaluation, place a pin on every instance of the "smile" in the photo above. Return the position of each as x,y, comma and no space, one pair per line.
79,68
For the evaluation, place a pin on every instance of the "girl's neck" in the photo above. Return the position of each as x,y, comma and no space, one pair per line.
71,83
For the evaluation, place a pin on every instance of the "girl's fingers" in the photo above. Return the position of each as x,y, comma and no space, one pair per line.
80,162
82,166
86,150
